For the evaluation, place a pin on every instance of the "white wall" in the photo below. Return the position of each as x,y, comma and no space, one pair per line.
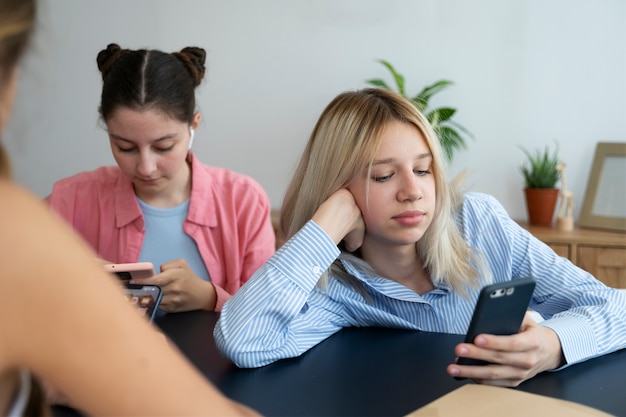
526,72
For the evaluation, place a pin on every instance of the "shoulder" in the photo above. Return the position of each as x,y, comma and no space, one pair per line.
228,177
224,181
481,204
480,211
87,180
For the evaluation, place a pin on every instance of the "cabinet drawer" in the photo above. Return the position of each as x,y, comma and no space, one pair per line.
608,264
561,249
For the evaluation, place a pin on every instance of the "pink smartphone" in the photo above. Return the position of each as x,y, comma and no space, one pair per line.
126,272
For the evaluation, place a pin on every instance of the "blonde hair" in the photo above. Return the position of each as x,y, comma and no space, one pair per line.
17,19
344,141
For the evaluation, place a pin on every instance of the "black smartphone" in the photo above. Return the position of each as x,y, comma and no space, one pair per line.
145,297
499,310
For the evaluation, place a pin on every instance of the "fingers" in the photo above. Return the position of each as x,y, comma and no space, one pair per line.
341,219
176,263
196,295
181,289
171,272
512,359
512,356
162,280
496,375
172,290
170,282
504,368
523,341
353,240
527,322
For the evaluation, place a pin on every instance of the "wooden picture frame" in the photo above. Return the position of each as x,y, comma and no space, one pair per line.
604,205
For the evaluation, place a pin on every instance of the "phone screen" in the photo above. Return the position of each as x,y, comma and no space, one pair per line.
145,297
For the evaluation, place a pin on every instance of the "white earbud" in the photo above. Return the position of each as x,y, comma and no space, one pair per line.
191,133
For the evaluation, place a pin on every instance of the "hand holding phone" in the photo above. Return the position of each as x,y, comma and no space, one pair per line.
145,297
499,310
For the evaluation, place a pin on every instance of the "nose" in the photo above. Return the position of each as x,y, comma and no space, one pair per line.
409,187
146,164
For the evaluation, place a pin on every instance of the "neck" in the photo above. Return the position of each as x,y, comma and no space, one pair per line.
176,193
398,263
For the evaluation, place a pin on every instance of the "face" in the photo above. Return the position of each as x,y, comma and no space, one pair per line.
400,203
151,149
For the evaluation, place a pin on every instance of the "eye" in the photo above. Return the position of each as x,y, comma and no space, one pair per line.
126,150
163,150
382,178
421,172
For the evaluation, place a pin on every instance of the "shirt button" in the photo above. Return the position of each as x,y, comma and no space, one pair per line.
317,269
426,307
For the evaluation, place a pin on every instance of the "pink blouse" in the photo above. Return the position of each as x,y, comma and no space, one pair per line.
228,218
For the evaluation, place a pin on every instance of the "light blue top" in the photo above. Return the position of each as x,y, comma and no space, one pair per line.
280,313
165,240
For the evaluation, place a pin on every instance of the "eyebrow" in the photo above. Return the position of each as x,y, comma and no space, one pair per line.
116,137
390,160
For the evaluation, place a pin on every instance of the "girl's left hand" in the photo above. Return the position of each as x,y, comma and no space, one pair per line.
513,359
182,289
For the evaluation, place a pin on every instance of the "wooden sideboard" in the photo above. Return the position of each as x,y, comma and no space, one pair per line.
599,252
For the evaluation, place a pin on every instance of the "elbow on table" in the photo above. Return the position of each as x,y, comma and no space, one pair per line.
240,353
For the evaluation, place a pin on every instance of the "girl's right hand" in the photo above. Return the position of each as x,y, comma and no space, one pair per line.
341,219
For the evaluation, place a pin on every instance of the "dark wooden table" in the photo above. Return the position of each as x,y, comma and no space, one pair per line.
374,372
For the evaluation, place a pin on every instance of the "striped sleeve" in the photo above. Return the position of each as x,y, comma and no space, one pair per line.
588,317
270,317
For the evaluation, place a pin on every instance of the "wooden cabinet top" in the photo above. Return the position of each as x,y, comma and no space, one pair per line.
577,236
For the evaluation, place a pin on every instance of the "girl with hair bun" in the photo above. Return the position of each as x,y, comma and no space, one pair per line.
206,228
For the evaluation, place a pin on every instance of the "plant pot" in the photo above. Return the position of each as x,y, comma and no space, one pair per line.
540,203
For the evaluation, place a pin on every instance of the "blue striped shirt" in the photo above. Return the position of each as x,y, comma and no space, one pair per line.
281,313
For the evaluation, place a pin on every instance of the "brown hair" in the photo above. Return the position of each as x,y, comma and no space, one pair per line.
17,20
150,79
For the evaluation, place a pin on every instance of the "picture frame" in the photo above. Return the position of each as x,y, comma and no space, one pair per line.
604,205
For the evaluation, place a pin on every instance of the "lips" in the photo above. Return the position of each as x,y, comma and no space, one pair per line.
409,218
148,181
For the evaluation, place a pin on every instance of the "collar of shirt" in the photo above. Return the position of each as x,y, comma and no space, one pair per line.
389,287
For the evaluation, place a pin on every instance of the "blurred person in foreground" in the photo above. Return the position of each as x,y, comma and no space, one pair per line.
80,336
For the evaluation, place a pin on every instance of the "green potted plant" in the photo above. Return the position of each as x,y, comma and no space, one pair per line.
541,175
450,133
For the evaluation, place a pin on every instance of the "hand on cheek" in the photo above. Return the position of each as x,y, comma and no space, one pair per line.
341,219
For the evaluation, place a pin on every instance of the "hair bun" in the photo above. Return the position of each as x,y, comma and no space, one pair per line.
194,59
107,57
